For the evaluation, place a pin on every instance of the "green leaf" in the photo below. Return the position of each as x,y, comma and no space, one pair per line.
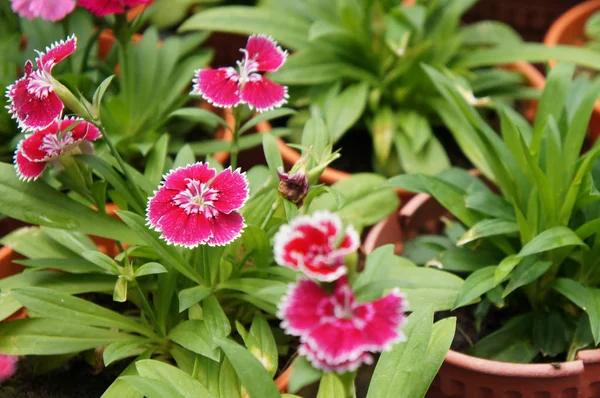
505,267
194,336
192,295
512,343
476,284
551,239
383,132
150,269
488,227
185,384
572,290
272,154
42,336
491,205
119,388
593,311
345,110
184,157
529,270
261,343
549,333
216,321
102,260
199,115
265,116
331,386
99,93
155,166
72,310
151,388
229,382
38,203
251,372
303,374
123,349
289,29
120,291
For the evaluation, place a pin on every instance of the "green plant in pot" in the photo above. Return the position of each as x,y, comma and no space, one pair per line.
357,63
530,245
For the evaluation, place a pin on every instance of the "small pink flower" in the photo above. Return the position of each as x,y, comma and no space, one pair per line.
316,245
337,333
195,206
49,10
227,87
44,146
32,100
102,8
8,366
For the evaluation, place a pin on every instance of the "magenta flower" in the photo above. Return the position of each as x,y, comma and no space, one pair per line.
314,245
193,207
49,10
32,99
228,87
337,333
35,152
8,366
102,8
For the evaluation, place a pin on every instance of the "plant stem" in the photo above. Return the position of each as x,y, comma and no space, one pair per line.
271,212
88,50
235,140
148,310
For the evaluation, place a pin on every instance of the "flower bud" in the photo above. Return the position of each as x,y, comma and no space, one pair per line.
293,187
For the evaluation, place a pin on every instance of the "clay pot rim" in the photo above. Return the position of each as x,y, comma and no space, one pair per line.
554,36
487,366
331,175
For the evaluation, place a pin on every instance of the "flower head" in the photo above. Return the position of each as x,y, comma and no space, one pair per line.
336,332
35,152
227,87
8,366
49,10
316,245
293,187
32,99
102,8
194,205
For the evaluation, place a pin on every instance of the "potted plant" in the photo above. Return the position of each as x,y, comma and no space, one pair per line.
208,261
527,242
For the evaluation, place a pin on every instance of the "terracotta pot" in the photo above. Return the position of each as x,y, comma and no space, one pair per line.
470,377
283,380
568,29
331,176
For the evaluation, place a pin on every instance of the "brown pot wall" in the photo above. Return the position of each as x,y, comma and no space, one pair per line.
464,376
569,29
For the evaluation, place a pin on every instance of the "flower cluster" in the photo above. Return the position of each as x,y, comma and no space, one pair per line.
228,87
195,206
102,8
55,10
336,333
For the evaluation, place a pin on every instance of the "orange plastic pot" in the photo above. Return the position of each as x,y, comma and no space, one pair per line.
331,175
464,376
569,29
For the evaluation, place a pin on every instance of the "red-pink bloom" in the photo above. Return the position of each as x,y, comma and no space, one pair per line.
102,8
32,99
336,332
35,152
227,87
195,206
316,245
8,366
49,10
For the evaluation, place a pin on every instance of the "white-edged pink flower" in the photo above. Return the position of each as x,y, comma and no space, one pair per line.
316,245
336,332
8,366
228,87
195,206
37,150
49,10
32,100
102,8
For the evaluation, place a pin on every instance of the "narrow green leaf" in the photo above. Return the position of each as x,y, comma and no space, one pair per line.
194,336
265,116
185,384
551,239
123,349
488,227
476,284
192,295
151,388
150,269
331,386
526,272
155,166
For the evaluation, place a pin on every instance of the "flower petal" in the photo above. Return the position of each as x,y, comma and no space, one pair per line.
262,94
341,367
220,87
183,229
297,308
232,187
31,111
225,228
265,52
82,131
179,178
26,169
160,204
102,8
386,317
56,53
8,366
31,147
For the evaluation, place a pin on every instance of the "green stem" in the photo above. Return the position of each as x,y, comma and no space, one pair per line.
236,137
271,212
88,50
148,311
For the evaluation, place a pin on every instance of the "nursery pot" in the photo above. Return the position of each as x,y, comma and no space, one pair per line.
569,29
331,175
465,376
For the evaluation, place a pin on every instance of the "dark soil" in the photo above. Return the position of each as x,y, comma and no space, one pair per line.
357,152
75,379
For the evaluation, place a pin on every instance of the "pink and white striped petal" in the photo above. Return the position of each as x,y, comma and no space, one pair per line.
48,10
233,188
263,50
321,363
225,228
261,93
56,53
26,169
179,178
32,112
220,87
297,309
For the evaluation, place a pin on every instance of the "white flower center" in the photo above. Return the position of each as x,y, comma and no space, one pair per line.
41,83
247,67
54,144
197,198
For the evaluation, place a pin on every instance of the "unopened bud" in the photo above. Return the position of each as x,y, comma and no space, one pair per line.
293,187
